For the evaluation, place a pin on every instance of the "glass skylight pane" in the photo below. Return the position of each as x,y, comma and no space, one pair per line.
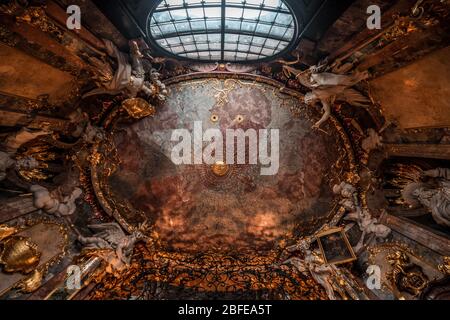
177,49
245,39
192,55
277,31
252,56
232,12
190,47
214,37
272,3
171,3
167,28
155,31
230,56
262,28
258,40
213,24
248,26
285,19
198,25
268,16
289,34
200,38
243,47
186,39
215,45
196,13
251,14
214,12
161,16
202,46
267,52
179,14
231,37
173,41
233,25
271,43
183,26
231,46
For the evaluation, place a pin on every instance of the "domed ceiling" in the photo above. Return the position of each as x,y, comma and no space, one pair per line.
193,208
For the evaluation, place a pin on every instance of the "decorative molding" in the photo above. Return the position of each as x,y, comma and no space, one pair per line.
419,234
433,151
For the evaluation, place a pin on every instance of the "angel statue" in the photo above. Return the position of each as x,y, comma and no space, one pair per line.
117,247
361,216
130,75
327,88
434,194
314,265
367,225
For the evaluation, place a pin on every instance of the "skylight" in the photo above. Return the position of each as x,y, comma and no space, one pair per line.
222,30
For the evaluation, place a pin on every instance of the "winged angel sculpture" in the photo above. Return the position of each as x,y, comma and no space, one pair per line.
327,88
111,244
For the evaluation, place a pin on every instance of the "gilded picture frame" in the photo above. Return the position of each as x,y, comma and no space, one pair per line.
335,247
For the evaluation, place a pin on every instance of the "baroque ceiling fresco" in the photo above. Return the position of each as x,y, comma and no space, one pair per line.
347,198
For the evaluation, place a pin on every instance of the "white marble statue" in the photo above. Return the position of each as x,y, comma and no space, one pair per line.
112,238
368,226
129,77
327,88
433,195
361,216
314,265
55,202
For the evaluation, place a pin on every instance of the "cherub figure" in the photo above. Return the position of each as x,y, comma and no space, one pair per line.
55,202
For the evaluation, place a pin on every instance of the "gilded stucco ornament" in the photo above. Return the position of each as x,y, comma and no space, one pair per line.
138,108
20,252
445,266
406,276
